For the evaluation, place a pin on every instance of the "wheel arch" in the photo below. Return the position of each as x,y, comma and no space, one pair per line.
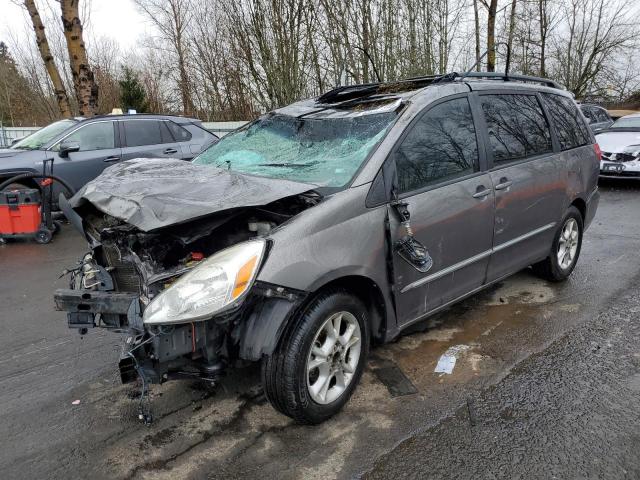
369,292
581,205
276,324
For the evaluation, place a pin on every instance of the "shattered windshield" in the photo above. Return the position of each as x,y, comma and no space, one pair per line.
43,136
324,151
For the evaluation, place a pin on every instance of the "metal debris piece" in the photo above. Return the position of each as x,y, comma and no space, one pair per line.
447,360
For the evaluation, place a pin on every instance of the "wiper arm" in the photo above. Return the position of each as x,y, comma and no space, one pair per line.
286,165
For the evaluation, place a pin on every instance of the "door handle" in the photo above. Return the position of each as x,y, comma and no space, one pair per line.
504,184
113,158
481,192
170,150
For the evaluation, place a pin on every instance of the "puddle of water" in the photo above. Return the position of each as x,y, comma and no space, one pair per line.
523,290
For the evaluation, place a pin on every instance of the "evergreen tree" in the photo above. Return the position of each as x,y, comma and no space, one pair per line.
19,104
132,93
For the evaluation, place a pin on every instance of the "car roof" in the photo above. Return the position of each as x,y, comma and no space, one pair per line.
140,116
631,115
352,97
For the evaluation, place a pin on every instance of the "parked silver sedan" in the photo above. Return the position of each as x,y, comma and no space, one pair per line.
620,147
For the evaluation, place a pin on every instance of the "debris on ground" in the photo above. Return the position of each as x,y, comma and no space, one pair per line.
447,360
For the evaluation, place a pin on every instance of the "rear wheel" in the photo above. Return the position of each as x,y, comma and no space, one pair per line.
565,249
320,360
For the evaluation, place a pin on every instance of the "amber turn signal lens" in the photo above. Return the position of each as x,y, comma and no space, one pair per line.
243,278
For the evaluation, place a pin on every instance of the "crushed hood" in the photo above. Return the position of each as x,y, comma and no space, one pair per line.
7,152
612,141
155,193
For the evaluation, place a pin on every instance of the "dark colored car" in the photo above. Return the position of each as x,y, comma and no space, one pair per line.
83,148
331,224
598,117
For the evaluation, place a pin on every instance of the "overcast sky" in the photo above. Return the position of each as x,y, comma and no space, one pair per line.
118,19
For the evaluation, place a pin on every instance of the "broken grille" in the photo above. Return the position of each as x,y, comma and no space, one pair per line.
618,157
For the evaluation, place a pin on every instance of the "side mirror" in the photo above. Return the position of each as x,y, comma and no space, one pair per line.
67,147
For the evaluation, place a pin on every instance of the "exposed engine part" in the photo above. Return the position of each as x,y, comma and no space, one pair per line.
261,228
111,286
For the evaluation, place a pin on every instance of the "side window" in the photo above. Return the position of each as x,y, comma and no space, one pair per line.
588,113
180,134
569,127
440,146
143,132
517,127
95,136
602,116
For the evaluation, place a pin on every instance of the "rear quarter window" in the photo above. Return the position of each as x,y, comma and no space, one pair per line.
179,134
569,126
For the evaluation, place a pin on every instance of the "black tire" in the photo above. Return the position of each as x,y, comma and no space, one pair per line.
284,373
43,236
550,268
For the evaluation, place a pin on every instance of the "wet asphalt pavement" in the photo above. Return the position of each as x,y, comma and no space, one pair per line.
547,384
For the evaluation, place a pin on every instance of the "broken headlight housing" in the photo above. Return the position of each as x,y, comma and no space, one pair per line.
218,282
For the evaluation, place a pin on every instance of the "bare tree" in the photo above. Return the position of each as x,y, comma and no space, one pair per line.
512,28
476,29
492,8
269,37
597,31
52,70
172,18
544,32
83,79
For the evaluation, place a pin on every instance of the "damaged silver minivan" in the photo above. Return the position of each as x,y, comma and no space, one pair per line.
330,225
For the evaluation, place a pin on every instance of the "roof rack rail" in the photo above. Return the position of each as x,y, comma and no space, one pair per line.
508,77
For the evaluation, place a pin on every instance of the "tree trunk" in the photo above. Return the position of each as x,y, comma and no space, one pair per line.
83,81
491,36
512,27
52,70
542,5
476,18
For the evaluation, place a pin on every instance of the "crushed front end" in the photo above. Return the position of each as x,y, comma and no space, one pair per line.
184,297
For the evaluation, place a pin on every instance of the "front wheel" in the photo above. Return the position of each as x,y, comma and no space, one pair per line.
320,360
565,249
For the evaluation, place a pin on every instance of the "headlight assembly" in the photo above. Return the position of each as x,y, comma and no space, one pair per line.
218,282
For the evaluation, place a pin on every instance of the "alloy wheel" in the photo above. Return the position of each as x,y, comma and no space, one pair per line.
334,357
568,243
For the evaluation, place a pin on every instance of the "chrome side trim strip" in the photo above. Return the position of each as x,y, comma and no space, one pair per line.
446,271
527,235
475,258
